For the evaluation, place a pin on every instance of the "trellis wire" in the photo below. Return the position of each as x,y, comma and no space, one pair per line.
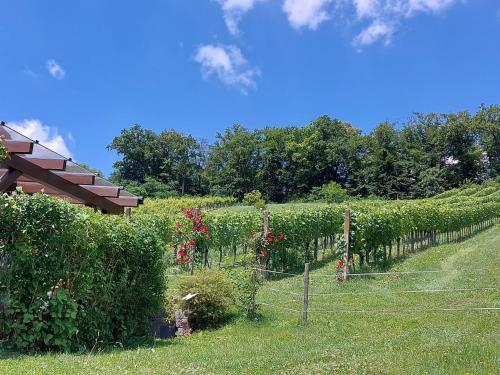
278,272
285,291
443,309
405,291
278,306
407,272
385,311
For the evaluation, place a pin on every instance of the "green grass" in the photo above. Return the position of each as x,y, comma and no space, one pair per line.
399,340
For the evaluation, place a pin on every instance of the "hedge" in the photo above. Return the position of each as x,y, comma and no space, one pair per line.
71,278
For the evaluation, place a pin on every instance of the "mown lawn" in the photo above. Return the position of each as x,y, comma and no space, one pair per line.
370,325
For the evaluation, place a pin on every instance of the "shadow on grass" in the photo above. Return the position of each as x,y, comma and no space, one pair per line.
7,353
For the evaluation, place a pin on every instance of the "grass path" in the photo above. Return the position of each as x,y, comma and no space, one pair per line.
371,342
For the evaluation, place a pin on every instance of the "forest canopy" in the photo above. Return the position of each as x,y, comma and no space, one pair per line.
426,155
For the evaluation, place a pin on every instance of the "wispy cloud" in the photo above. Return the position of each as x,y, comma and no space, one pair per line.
55,69
228,64
46,135
376,20
234,10
384,16
376,31
30,73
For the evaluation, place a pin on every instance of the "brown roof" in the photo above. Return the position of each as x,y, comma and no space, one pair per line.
35,168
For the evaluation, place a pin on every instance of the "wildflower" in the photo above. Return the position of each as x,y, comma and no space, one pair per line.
280,237
340,264
204,229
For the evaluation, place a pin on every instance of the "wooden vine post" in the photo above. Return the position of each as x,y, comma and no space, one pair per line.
306,292
127,213
253,313
265,232
265,220
347,229
197,213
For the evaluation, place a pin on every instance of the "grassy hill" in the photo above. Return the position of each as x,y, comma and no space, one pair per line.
380,324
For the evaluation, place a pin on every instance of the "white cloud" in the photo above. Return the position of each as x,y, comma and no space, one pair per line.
430,6
385,15
366,8
377,30
306,13
47,135
55,69
378,20
233,11
228,64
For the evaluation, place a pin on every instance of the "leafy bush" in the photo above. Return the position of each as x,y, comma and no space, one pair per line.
213,303
330,193
242,279
152,188
255,199
172,206
74,278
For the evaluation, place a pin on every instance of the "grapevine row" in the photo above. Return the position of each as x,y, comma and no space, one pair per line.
313,231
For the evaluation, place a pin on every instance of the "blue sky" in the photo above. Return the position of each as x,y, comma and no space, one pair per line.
74,73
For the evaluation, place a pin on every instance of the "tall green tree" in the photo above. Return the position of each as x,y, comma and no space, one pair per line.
169,161
487,125
381,171
276,176
463,155
420,150
328,151
233,162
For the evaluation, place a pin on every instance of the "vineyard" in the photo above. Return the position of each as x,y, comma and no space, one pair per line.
409,320
312,232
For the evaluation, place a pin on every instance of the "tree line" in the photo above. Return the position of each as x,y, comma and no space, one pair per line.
426,155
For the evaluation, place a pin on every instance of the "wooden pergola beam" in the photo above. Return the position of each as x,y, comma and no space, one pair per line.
49,178
125,201
8,179
21,147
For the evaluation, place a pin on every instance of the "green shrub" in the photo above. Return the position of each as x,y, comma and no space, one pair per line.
74,278
255,199
330,193
213,303
242,279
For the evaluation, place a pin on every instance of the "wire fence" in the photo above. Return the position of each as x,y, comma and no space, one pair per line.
387,311
316,307
321,296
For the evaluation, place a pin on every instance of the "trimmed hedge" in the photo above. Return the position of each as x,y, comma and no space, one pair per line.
71,279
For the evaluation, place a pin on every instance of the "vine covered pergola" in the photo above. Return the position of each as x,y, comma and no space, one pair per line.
35,168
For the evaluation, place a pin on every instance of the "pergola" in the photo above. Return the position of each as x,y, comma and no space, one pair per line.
35,168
